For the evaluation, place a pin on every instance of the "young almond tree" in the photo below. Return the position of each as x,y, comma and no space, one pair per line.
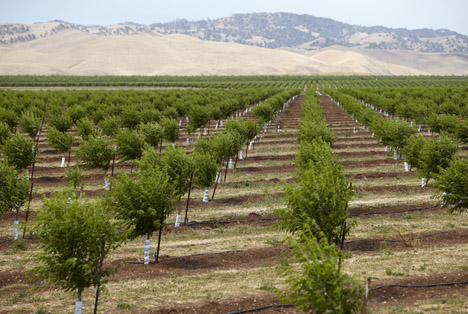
30,123
130,146
19,151
152,133
95,153
315,284
179,166
13,192
170,130
60,141
144,204
5,133
76,239
452,184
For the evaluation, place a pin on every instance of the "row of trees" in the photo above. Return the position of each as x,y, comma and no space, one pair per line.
316,217
435,158
441,108
140,204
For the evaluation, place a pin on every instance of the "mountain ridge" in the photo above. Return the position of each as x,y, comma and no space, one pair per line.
265,30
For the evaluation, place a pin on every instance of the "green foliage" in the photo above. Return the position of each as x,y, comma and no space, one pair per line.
58,140
130,117
143,203
394,134
452,184
13,192
321,197
95,153
179,167
9,117
199,116
205,169
415,145
438,154
316,285
76,237
170,129
73,176
85,129
129,145
76,113
30,123
5,133
149,115
310,130
110,125
316,151
61,122
19,151
152,133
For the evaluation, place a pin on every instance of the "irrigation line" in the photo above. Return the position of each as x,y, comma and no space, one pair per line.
409,239
186,256
422,286
262,308
395,212
194,223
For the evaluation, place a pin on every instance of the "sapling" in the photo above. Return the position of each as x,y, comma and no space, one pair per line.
13,192
315,283
95,153
76,239
130,146
452,185
30,123
19,151
144,204
60,141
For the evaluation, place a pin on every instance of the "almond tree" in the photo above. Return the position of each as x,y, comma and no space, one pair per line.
144,204
75,240
13,192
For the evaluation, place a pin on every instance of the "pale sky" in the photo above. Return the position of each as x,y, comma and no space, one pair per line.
412,14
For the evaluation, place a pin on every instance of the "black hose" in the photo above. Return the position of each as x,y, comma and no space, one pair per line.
262,308
409,239
395,212
423,286
194,223
186,256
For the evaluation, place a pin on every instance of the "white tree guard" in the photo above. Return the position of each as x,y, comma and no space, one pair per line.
62,165
407,167
147,247
16,229
205,196
230,163
423,182
241,154
78,306
177,221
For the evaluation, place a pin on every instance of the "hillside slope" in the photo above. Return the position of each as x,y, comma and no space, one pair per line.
76,53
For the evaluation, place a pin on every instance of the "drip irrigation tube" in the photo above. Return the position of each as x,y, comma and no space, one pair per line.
422,286
262,308
409,239
395,212
186,256
194,223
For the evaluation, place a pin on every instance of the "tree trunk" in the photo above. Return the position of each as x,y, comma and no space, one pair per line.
217,177
98,288
227,164
246,149
237,157
160,146
27,211
113,164
188,199
69,156
159,237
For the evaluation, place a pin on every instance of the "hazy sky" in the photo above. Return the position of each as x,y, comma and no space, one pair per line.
435,14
